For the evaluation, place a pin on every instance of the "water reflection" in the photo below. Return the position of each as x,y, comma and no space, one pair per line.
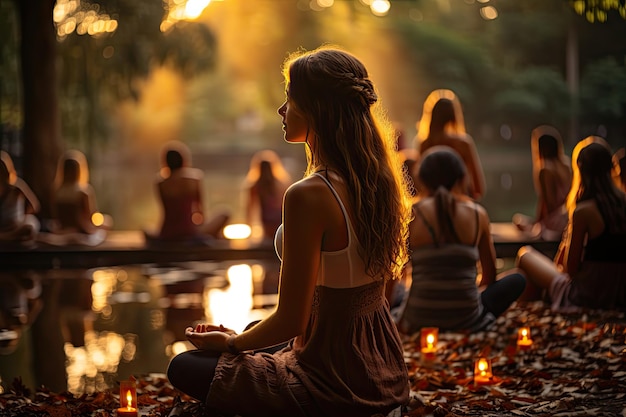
138,315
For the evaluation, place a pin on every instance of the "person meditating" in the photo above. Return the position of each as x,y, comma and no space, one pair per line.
343,236
589,270
449,236
76,219
266,183
442,124
552,175
18,206
179,187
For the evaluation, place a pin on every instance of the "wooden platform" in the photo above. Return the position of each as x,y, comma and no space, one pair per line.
129,247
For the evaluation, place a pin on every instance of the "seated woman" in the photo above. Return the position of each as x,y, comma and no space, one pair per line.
442,124
552,175
589,269
343,236
266,183
18,205
76,219
449,236
179,188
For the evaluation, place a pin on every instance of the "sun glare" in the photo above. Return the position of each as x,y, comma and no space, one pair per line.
380,7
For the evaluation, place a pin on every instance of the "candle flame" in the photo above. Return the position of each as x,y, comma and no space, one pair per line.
430,339
524,336
482,366
129,400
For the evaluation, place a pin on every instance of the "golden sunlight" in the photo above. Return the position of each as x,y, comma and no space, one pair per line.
232,307
380,7
183,10
71,15
194,8
237,231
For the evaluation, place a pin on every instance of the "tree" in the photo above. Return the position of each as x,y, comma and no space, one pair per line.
102,67
99,62
41,130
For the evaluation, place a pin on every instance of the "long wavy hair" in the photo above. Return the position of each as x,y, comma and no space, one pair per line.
334,92
593,181
442,111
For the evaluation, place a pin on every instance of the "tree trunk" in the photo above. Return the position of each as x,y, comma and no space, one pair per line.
573,79
42,130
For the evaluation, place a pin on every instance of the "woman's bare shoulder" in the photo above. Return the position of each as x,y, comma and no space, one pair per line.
309,188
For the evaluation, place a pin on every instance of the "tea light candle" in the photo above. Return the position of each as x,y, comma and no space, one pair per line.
428,341
128,399
482,372
524,340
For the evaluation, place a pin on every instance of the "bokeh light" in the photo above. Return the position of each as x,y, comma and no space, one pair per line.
237,231
489,13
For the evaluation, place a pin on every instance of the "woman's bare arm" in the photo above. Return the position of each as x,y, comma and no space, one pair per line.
486,251
573,254
475,168
303,228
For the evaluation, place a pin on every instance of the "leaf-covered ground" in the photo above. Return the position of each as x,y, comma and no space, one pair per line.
576,367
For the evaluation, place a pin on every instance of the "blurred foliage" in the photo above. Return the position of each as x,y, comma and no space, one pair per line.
603,92
448,59
532,94
599,10
508,70
9,65
98,72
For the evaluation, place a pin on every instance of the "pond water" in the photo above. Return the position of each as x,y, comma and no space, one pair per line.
130,321
124,183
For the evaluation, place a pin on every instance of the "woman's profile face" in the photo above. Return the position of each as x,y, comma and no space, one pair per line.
295,124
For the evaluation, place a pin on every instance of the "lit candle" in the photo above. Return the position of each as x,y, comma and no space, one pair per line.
428,341
128,399
524,340
482,372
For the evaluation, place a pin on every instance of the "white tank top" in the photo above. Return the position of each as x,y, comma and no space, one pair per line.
343,268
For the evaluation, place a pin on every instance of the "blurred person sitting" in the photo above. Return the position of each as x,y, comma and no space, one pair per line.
179,188
552,175
449,237
76,219
266,183
442,123
589,268
18,206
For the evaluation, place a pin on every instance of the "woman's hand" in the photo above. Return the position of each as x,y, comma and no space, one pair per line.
209,337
